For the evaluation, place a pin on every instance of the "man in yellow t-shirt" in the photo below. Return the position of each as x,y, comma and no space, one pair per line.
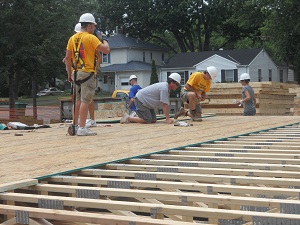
86,44
195,91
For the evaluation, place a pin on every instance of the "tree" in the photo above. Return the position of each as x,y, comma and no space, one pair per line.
282,31
33,42
154,76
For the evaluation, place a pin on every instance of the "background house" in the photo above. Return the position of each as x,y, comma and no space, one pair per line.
128,56
231,64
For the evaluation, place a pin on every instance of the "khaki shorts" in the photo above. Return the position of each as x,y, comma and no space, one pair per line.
86,91
184,99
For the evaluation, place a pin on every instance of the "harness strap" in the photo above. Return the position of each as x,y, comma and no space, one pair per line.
79,82
77,53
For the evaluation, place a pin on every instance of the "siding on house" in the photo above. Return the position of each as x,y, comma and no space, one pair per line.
132,56
230,64
129,56
263,62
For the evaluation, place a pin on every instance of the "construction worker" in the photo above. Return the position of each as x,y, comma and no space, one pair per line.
91,122
195,91
148,99
248,99
133,90
81,49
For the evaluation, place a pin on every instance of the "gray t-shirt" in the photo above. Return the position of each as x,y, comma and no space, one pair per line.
249,106
154,95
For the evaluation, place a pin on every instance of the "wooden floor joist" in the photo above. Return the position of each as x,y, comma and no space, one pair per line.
246,179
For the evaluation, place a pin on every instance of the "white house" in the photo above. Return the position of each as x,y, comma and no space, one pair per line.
230,63
128,56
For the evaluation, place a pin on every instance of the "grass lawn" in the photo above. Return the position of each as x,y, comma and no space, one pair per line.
53,100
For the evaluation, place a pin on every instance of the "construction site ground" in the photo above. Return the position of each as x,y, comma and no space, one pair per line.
28,154
224,170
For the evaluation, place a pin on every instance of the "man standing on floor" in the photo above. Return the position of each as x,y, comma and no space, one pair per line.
81,53
91,122
195,91
148,99
133,90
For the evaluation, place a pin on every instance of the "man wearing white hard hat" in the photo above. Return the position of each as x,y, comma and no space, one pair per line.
248,99
195,91
132,92
148,99
91,122
81,55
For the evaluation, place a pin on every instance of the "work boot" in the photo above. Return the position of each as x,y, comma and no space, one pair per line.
196,116
181,112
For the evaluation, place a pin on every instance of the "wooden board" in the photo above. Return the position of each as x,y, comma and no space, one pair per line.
211,172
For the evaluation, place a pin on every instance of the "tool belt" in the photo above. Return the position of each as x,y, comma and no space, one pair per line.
79,82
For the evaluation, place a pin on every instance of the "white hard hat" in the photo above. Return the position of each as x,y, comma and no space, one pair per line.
132,77
87,18
77,27
213,72
245,76
176,77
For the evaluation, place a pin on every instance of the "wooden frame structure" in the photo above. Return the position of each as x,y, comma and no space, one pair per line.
248,179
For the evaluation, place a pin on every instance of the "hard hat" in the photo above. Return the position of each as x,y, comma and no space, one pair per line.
87,18
132,77
77,27
176,77
245,76
213,72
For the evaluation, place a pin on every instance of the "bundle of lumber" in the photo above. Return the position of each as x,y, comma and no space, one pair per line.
272,98
296,109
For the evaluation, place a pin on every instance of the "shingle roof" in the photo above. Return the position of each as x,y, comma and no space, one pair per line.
190,59
124,41
132,65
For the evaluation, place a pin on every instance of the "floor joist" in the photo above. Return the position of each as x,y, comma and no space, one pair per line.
246,179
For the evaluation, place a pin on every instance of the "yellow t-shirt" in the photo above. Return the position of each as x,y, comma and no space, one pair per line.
89,44
198,83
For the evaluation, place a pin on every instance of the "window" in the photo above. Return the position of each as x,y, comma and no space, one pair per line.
124,83
270,75
281,75
229,75
259,75
151,56
105,58
162,57
144,57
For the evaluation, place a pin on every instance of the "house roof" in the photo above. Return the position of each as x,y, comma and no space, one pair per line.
132,65
125,41
190,59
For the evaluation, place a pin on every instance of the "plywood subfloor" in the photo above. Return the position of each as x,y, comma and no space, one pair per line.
48,151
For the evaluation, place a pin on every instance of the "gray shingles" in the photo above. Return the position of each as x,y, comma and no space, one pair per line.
190,59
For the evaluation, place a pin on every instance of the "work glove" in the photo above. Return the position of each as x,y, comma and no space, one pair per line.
100,35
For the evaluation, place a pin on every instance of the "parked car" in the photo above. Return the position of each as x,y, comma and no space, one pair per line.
50,92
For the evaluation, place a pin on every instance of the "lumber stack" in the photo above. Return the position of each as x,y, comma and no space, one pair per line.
272,98
110,109
296,109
